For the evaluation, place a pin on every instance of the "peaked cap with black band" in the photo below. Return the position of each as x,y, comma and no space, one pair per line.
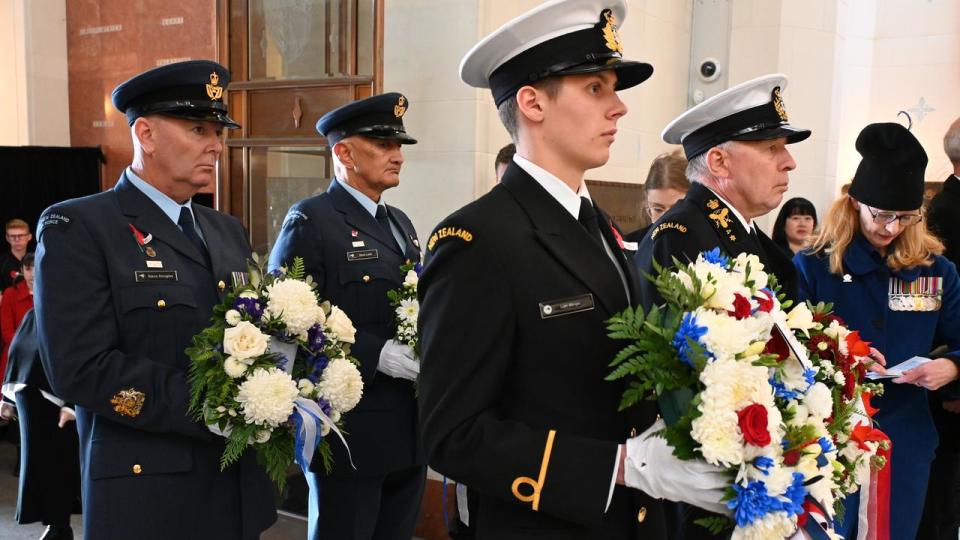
750,111
380,117
193,89
890,175
561,37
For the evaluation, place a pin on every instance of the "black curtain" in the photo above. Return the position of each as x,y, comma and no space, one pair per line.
34,177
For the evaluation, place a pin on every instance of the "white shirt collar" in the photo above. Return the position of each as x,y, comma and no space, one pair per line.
748,225
554,186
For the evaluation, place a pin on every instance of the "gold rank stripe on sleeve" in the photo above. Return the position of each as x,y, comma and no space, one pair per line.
536,485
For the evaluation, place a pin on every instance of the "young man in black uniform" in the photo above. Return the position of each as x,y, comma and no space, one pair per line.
353,245
124,280
514,296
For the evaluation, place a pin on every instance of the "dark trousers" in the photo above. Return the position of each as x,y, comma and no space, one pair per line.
49,463
383,507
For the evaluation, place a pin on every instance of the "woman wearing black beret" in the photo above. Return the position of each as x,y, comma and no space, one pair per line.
884,273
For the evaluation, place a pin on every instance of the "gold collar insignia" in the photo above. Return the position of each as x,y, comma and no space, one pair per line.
721,217
611,35
213,89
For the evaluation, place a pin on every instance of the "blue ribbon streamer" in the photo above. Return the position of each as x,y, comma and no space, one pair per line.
308,417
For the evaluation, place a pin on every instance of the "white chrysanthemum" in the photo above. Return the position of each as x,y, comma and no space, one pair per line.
409,310
732,385
244,341
295,303
726,336
411,279
819,401
800,318
757,275
232,317
341,385
234,367
773,525
266,397
717,286
340,325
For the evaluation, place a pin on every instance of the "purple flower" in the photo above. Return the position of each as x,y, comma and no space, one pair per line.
418,268
325,406
315,366
316,338
250,306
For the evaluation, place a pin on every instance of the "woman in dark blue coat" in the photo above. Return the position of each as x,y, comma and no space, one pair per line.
884,273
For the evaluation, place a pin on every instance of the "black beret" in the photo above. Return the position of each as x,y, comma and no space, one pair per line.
380,117
193,89
891,174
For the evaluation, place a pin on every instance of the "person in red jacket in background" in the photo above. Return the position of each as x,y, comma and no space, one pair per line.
17,301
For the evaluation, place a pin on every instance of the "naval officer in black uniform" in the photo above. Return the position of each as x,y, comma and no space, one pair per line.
353,245
124,280
514,298
738,165
736,146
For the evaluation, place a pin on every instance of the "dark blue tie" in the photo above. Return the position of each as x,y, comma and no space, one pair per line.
186,224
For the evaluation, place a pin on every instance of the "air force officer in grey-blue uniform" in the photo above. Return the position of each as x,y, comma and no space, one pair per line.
124,280
353,245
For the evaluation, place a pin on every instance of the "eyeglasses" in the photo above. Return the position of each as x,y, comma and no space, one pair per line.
885,218
16,237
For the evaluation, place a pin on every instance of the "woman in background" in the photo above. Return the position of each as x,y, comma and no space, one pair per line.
875,261
795,223
665,185
17,301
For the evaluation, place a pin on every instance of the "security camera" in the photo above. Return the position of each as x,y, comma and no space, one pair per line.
709,69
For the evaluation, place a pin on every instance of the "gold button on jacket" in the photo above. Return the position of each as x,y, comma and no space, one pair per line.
137,469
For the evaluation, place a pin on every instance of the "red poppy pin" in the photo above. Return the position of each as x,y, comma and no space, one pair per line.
354,233
142,240
616,234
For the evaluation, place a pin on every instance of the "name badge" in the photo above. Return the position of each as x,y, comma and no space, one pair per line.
155,275
362,255
566,306
921,294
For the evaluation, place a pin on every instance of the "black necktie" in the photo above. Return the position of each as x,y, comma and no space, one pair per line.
186,224
384,222
588,218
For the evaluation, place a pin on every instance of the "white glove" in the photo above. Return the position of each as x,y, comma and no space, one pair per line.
652,468
398,360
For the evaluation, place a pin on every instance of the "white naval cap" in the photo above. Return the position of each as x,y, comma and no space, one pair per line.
560,37
750,111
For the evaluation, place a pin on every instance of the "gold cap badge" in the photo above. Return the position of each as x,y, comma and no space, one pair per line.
611,35
213,89
778,104
128,402
400,108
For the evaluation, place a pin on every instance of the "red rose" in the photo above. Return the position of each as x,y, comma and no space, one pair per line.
741,307
791,458
765,299
753,424
777,345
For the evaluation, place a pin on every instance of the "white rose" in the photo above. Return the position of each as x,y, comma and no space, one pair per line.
234,368
340,325
233,317
306,387
800,318
244,341
411,279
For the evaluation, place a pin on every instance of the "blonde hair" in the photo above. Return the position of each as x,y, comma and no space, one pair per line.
915,246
